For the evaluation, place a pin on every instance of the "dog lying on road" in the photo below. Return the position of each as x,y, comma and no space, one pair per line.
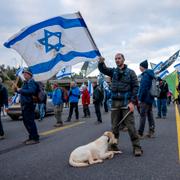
94,152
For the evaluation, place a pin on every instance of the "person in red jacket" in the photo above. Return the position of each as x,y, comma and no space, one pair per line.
85,101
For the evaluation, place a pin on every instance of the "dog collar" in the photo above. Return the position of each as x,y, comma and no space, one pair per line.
108,138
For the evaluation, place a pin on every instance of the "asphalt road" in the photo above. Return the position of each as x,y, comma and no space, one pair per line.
49,158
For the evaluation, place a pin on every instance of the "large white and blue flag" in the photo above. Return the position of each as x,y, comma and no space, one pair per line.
64,72
48,46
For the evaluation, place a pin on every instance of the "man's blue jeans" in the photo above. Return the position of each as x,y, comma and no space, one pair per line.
41,108
162,107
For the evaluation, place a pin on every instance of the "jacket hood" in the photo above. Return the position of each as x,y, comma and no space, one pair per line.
150,72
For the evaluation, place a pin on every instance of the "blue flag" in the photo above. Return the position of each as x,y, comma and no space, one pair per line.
64,72
48,46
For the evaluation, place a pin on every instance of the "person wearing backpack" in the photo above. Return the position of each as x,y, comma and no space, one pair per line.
146,100
42,101
57,100
98,97
124,88
3,102
162,99
27,91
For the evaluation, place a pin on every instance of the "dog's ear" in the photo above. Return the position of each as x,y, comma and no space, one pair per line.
108,133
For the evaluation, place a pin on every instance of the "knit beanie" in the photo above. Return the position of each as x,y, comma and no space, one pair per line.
144,64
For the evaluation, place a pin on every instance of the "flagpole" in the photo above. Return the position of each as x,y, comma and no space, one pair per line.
90,36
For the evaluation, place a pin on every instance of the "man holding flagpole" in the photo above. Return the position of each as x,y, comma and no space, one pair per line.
27,91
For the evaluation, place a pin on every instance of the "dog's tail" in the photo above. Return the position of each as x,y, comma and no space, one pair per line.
77,164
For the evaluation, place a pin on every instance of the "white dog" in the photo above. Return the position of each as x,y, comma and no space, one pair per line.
94,152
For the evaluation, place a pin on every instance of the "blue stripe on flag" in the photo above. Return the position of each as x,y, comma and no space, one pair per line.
64,23
47,66
63,75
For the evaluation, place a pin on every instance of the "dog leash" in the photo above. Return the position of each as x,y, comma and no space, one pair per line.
129,112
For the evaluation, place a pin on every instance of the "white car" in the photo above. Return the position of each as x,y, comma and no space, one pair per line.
15,112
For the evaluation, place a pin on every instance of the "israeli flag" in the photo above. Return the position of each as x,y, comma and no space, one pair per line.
177,67
15,99
52,44
64,72
19,73
163,74
158,66
90,88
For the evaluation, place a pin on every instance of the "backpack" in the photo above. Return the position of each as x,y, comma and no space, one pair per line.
57,97
154,89
40,93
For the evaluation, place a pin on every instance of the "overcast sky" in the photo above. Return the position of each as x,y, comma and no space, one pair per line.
140,29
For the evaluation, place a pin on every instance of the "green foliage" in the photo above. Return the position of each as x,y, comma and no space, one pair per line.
48,87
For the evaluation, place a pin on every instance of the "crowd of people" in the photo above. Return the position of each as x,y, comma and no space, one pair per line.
124,94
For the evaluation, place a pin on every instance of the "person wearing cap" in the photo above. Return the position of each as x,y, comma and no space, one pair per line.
3,102
162,99
28,89
146,100
124,88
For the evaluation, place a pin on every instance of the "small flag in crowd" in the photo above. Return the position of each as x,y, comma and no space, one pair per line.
177,67
64,72
19,73
90,88
163,74
52,44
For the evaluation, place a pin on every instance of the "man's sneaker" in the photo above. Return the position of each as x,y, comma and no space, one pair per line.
158,117
150,135
58,125
2,137
68,120
31,141
114,147
137,151
140,136
164,117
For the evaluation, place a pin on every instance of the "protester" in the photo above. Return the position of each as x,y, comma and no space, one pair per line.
42,104
28,90
85,101
98,97
169,97
57,99
3,102
124,92
162,99
74,95
107,96
146,100
65,91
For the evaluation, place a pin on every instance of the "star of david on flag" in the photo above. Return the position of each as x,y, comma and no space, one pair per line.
46,41
50,45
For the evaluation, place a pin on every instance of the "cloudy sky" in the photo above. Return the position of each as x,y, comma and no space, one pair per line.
140,29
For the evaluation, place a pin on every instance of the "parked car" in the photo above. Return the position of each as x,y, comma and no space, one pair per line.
15,112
